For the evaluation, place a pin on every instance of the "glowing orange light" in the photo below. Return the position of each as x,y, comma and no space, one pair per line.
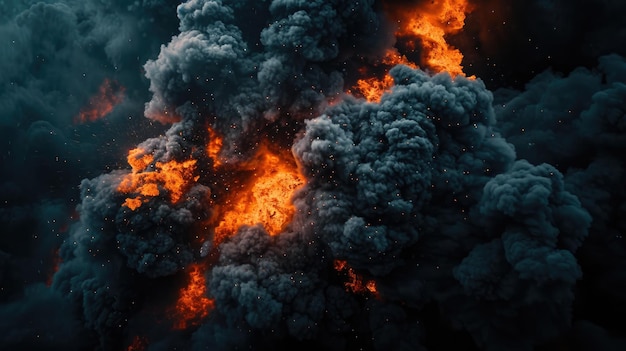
173,176
139,343
214,146
109,95
56,263
372,89
266,200
355,283
430,22
192,305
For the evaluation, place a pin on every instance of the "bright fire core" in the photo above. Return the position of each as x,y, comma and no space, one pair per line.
173,176
430,23
425,25
268,199
192,305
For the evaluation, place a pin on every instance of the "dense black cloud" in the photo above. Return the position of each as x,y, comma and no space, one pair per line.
581,133
375,168
492,220
376,197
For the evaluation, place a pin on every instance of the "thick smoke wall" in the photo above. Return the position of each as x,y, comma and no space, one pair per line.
57,55
488,211
487,238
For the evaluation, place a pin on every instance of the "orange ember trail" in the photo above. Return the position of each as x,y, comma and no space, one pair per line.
268,198
172,176
192,305
355,282
109,95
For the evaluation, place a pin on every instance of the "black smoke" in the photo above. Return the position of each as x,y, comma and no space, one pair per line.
488,211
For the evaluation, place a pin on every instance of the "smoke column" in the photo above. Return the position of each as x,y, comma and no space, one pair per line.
343,175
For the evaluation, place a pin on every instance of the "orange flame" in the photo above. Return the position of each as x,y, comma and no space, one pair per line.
109,95
266,200
139,344
355,283
372,89
172,176
430,22
192,305
214,146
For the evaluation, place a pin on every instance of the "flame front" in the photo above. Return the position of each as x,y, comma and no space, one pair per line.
267,199
138,344
429,24
172,176
192,305
109,95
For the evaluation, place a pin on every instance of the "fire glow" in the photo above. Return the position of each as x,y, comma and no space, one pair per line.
56,263
266,200
109,95
373,88
428,24
192,305
213,147
355,283
138,344
173,176
269,179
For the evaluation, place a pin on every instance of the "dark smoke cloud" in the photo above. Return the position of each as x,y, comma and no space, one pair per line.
56,56
582,133
392,181
289,68
487,220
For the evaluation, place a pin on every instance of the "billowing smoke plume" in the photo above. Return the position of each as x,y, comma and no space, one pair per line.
473,213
